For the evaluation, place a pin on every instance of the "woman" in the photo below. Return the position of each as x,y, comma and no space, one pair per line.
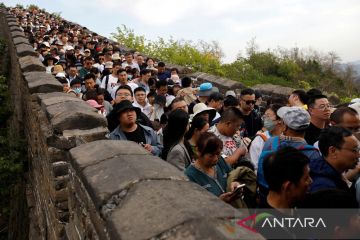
176,150
273,126
210,170
198,126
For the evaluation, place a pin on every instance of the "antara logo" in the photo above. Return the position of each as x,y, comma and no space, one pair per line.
293,222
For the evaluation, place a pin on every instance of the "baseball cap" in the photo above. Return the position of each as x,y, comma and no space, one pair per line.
295,118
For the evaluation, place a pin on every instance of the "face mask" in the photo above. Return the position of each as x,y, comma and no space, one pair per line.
129,77
269,124
77,90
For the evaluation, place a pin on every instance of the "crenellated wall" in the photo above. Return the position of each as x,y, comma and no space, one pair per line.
82,186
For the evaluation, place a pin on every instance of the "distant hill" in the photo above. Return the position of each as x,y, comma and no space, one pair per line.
356,66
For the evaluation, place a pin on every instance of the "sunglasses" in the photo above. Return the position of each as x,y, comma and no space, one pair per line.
248,102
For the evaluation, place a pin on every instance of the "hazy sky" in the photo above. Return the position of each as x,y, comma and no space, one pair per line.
324,25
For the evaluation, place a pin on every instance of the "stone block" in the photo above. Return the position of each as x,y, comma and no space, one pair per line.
48,99
95,152
60,142
41,82
85,136
17,34
20,40
23,50
31,64
113,175
74,115
274,90
15,29
12,23
158,206
57,155
60,168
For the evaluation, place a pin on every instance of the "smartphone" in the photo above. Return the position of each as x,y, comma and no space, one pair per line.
238,189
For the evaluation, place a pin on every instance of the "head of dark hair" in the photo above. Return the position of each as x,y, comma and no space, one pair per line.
174,69
286,164
231,101
101,91
161,64
90,95
198,123
313,92
247,91
144,72
128,54
161,84
75,81
231,114
186,82
338,115
208,143
312,100
125,87
175,129
175,100
120,71
139,89
89,76
332,136
216,96
89,58
94,70
302,95
274,108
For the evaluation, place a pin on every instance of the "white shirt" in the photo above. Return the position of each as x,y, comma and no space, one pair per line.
256,148
112,83
132,85
147,109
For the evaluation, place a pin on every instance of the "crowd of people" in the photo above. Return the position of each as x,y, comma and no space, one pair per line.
278,154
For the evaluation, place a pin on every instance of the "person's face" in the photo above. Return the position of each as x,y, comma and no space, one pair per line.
348,154
129,59
116,68
123,77
176,89
233,127
123,94
140,60
197,132
321,109
151,100
351,122
150,62
211,159
291,99
128,117
180,105
101,59
146,77
100,99
89,84
140,97
297,191
161,69
247,102
72,71
88,64
162,90
216,104
77,85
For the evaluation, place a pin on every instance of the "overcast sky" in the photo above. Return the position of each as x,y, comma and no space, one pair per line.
324,25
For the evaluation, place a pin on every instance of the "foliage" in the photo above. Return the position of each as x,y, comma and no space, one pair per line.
287,67
32,7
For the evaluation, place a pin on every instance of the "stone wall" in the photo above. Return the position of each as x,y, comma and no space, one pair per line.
82,186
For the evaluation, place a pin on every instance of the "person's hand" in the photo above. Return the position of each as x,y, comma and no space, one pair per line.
148,147
228,197
246,141
234,185
241,151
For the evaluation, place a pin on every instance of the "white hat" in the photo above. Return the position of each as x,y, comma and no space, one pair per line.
201,107
60,75
230,93
109,65
115,56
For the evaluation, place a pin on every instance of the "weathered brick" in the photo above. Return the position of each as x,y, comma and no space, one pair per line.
41,82
20,40
23,50
30,64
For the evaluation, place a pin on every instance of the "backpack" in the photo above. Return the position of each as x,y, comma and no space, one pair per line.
275,145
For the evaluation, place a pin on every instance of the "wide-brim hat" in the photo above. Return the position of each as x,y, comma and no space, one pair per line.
200,108
126,105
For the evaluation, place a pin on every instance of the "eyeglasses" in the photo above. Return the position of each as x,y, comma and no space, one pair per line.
322,107
354,150
123,94
248,102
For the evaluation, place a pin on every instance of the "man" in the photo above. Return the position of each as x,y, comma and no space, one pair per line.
129,130
296,121
109,82
162,89
141,62
143,81
179,103
89,81
88,62
228,132
216,101
123,80
187,92
298,98
320,110
287,172
72,73
129,61
205,90
162,73
141,101
340,151
252,120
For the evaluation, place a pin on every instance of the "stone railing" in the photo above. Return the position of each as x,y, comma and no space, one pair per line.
82,186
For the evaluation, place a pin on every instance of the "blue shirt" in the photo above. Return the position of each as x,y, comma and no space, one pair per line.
216,186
